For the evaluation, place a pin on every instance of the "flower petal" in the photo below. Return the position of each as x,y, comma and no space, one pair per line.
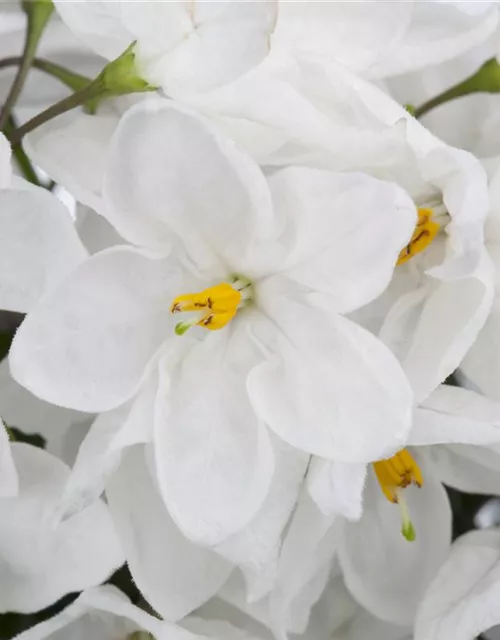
89,342
171,175
72,149
174,575
38,246
461,602
214,457
102,449
389,576
347,228
452,414
319,365
256,548
40,564
337,487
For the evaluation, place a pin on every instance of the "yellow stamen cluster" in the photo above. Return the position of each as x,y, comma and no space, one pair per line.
218,306
394,475
425,232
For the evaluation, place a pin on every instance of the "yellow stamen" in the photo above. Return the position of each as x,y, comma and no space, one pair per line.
394,475
425,232
218,304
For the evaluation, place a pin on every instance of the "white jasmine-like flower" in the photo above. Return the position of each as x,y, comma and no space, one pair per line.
38,563
461,602
442,289
105,613
181,46
38,240
345,505
274,264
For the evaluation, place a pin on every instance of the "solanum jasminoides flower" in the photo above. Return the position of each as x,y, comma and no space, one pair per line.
234,292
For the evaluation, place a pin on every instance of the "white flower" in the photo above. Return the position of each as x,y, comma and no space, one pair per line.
9,481
38,241
462,601
180,46
38,563
307,245
104,613
449,275
389,576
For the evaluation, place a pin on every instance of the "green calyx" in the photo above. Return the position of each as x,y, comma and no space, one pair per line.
119,77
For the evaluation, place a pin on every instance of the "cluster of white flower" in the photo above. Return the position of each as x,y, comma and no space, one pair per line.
262,317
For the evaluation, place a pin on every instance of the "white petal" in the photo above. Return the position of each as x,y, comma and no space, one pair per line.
38,246
355,35
98,24
174,575
319,366
482,362
9,482
20,408
337,487
256,548
171,174
348,231
389,575
452,414
39,564
462,600
214,457
435,348
200,46
307,549
424,45
466,467
101,451
106,613
88,343
72,149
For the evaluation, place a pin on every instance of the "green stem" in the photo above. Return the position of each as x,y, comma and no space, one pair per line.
39,12
23,162
91,92
74,81
485,80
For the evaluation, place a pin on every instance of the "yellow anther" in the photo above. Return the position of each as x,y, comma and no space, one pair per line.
218,305
425,232
394,475
397,473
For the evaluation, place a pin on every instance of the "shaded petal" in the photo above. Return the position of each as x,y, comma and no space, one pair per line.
316,370
462,601
175,575
38,563
466,467
347,230
72,149
172,175
389,576
88,343
337,487
38,246
102,449
214,456
453,414
433,347
256,548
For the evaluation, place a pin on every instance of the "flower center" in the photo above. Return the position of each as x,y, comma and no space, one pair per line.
425,231
394,475
214,307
